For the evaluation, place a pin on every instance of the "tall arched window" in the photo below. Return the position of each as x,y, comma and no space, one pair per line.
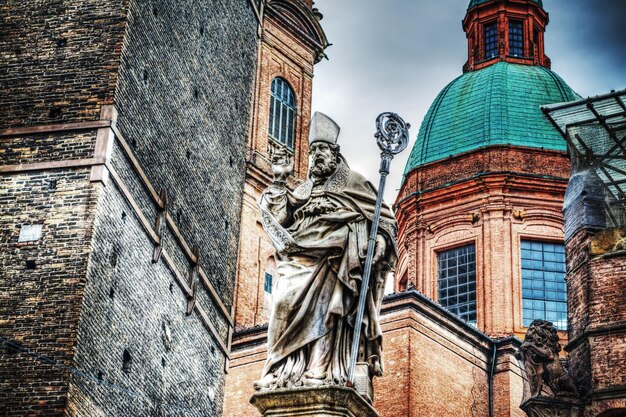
282,113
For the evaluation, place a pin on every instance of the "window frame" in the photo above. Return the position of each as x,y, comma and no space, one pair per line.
486,42
517,38
525,320
268,279
283,103
465,316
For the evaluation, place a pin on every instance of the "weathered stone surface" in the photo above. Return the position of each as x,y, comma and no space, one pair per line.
542,365
608,240
328,401
320,232
552,407
91,325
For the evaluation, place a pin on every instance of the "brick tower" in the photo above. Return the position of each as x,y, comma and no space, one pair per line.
123,130
292,42
479,211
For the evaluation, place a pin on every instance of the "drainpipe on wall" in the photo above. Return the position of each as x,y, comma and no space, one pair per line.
491,372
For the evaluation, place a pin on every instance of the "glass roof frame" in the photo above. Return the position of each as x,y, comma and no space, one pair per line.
608,156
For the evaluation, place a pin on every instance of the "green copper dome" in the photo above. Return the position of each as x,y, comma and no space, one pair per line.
477,2
497,105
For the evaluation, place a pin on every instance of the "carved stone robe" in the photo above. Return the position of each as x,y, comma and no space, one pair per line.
320,234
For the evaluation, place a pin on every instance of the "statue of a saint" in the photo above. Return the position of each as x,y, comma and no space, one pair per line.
320,231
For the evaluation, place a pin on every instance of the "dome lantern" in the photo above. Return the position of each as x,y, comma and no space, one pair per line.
505,30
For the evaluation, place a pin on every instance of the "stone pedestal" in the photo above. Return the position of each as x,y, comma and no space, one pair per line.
552,407
325,401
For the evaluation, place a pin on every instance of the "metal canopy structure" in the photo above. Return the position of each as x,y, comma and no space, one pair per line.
595,130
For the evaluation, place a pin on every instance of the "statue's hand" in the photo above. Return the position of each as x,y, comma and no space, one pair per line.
379,250
282,166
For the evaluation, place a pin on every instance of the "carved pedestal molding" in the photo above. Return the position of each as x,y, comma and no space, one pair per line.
324,401
552,407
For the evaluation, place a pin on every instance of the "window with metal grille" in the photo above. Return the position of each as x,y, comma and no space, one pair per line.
457,281
516,38
268,283
544,294
282,113
491,41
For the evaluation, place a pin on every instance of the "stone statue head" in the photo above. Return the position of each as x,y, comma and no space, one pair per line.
323,148
323,159
543,334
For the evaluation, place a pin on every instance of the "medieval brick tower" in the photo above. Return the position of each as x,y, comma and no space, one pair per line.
123,129
479,211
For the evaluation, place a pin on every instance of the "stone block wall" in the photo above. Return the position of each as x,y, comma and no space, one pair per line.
92,323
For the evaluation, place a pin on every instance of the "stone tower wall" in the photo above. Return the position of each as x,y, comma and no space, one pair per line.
153,96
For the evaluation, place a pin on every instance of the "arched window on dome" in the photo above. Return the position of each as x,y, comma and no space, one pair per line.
282,127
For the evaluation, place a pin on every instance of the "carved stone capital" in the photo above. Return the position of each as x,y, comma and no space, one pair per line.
552,407
324,401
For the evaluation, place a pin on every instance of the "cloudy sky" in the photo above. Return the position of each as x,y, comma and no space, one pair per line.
396,55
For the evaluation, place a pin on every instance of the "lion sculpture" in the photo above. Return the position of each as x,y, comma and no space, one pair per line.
540,356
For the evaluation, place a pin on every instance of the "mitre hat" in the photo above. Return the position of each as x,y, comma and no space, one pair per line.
323,128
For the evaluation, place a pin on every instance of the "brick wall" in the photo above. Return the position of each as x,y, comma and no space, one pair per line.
287,54
435,365
136,308
183,98
596,296
492,198
59,60
41,283
91,326
187,127
501,158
